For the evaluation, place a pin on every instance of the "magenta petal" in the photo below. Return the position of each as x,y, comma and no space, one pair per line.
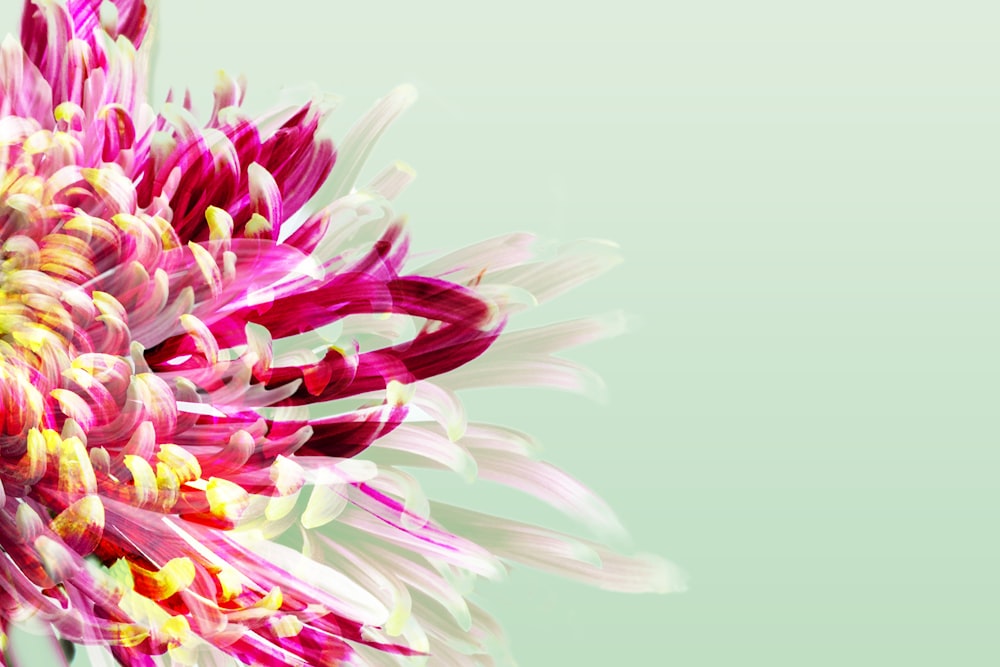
119,132
45,31
352,294
348,435
24,91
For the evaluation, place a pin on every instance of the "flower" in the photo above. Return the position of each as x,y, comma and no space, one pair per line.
210,388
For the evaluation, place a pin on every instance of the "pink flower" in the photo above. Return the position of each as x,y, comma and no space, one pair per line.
198,369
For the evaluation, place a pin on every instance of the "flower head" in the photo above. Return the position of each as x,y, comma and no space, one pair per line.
199,369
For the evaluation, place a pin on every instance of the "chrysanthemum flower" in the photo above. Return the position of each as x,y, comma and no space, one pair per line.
210,387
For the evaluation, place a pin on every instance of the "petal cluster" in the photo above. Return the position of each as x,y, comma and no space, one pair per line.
199,370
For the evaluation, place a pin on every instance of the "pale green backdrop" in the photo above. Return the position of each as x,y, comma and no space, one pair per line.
804,415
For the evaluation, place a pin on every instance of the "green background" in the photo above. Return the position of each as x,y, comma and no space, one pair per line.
803,416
